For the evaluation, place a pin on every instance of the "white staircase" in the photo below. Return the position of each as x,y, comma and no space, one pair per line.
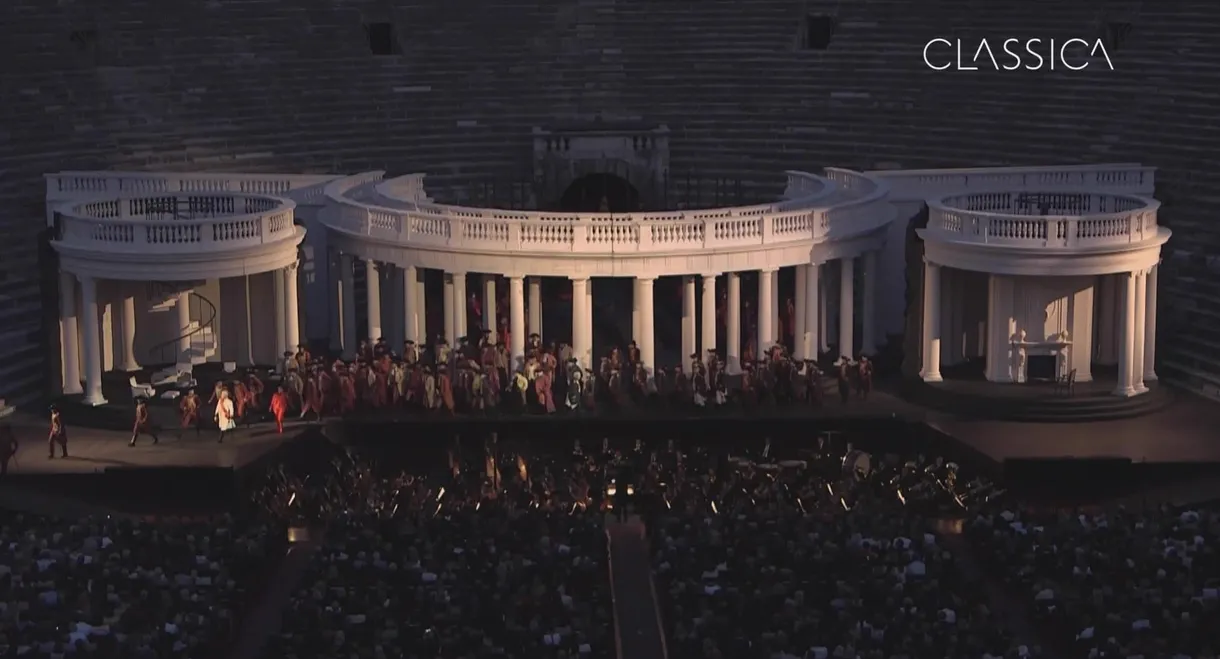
202,345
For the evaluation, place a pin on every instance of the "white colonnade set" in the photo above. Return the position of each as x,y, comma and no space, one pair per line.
525,313
145,243
1066,275
111,227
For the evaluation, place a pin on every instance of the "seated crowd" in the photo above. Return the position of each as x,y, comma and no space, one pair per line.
111,587
1116,584
471,562
798,559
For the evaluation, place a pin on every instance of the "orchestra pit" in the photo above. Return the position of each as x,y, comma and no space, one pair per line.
586,329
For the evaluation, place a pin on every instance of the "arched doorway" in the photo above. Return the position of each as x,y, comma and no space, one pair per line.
594,193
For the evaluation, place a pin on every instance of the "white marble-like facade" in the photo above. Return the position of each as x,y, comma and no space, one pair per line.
843,233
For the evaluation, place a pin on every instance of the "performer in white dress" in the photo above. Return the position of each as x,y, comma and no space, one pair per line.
225,415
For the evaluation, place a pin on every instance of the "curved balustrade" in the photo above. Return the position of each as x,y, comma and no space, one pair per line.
67,186
842,203
920,184
1044,219
174,224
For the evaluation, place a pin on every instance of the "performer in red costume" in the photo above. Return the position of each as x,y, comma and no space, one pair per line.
446,387
279,407
188,409
58,436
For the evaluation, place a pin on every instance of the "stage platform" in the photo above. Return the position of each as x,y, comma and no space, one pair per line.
119,410
178,474
968,395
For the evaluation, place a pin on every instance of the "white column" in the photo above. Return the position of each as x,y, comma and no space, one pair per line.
992,350
1000,328
69,337
798,338
450,307
183,307
647,340
292,333
373,304
516,321
931,319
732,330
587,323
106,324
688,321
708,339
869,313
636,314
130,363
1150,326
1081,350
410,304
249,356
281,320
847,307
489,306
92,342
823,315
1137,357
459,305
777,327
1126,335
946,317
1107,327
535,324
347,305
581,338
813,315
766,334
421,306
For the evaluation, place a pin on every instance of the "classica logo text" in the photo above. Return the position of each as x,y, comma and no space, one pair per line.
1011,54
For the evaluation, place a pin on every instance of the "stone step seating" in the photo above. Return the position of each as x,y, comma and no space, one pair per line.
1090,402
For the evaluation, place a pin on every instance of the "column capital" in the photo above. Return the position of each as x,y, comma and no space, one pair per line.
769,268
709,275
520,278
648,278
579,278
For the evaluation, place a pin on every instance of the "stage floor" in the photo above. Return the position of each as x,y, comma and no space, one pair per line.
91,450
1185,432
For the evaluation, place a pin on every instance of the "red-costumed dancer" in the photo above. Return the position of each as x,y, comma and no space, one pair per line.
279,407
